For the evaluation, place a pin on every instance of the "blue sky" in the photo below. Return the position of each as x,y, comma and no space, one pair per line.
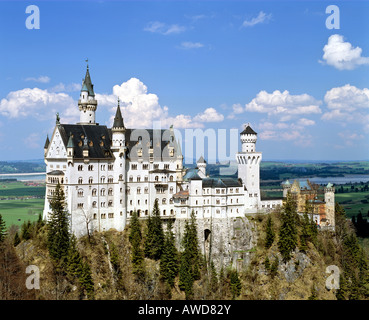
195,64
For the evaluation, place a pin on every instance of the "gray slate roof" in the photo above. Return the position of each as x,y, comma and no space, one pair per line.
99,141
248,130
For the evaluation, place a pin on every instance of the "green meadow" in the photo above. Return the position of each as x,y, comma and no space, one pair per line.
17,211
20,202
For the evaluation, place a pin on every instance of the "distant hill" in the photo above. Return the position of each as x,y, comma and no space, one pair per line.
29,166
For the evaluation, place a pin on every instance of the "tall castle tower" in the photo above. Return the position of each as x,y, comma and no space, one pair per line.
87,104
118,148
329,204
249,168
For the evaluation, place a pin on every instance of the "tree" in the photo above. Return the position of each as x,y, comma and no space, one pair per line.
79,271
213,278
87,217
189,270
235,284
58,235
16,239
288,230
135,238
154,242
2,229
169,258
270,235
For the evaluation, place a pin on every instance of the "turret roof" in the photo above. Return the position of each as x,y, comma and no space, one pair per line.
248,130
70,142
201,160
87,84
47,142
118,119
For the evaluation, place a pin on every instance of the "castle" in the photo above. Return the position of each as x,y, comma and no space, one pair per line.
108,173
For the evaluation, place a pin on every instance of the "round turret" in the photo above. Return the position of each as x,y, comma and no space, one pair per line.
248,139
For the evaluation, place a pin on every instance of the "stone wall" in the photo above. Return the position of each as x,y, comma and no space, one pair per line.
225,241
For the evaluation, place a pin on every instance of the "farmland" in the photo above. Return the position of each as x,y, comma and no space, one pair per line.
21,201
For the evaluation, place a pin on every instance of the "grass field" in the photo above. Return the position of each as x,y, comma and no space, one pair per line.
20,189
18,211
352,204
16,208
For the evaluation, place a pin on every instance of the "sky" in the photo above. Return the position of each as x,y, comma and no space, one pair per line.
299,77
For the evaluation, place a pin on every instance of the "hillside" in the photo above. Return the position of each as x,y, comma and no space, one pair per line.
265,277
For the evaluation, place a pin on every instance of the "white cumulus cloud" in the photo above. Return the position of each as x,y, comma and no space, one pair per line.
342,55
283,103
39,104
141,108
209,115
347,104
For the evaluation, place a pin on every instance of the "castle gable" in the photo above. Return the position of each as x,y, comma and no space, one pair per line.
56,148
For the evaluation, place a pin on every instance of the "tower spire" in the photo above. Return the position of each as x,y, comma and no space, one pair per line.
118,119
87,104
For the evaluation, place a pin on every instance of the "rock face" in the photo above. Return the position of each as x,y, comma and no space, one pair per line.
227,241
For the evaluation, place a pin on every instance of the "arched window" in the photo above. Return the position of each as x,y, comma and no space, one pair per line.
171,178
80,180
102,192
94,192
90,180
110,192
164,201
94,204
156,178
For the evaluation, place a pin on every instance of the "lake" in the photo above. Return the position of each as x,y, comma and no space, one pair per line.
349,178
24,176
318,180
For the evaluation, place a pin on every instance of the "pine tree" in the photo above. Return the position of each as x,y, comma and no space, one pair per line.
78,270
235,284
58,235
16,239
86,281
154,242
304,236
185,275
193,247
135,238
270,235
169,258
274,267
189,270
288,230
26,230
214,284
3,231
